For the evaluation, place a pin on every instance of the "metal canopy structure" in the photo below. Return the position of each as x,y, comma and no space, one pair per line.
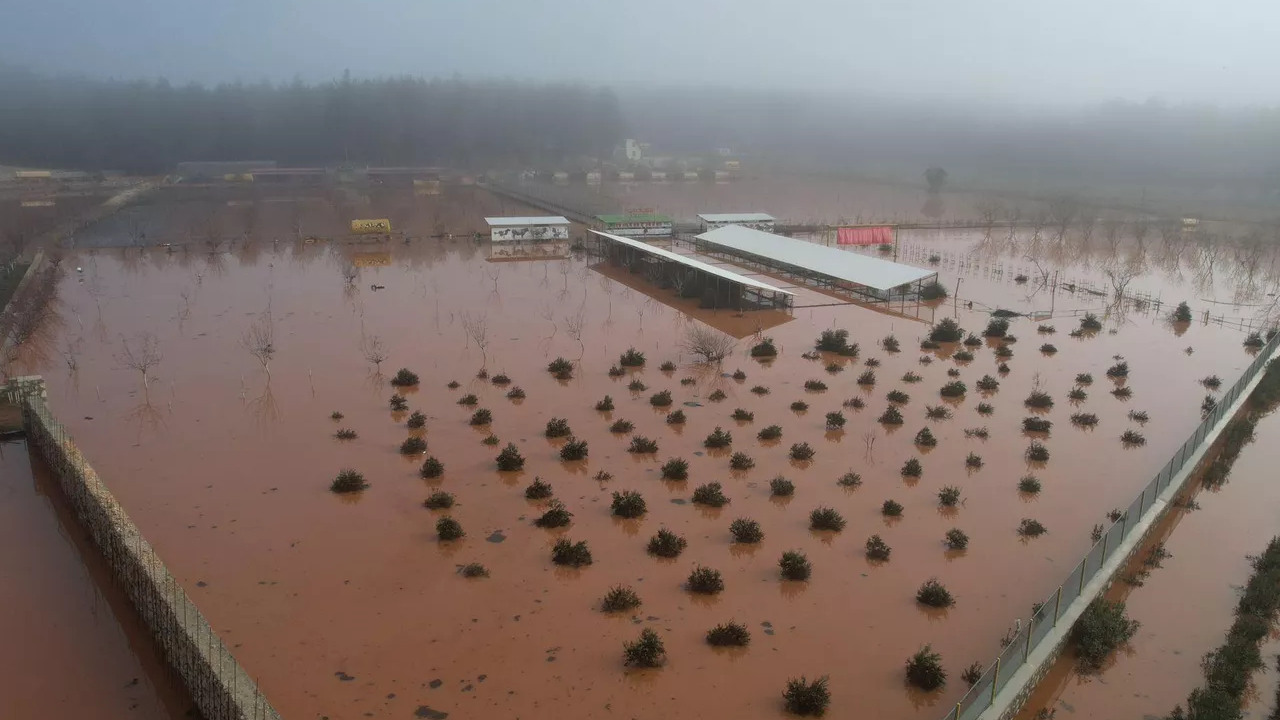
817,265
716,286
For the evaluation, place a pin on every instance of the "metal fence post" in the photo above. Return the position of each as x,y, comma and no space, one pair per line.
1057,605
1105,538
995,679
1026,651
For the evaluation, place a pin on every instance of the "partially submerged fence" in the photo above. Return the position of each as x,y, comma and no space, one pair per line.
221,689
1047,613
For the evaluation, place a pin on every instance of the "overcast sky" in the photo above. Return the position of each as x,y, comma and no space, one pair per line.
1059,51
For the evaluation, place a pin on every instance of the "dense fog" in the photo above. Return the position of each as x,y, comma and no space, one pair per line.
150,126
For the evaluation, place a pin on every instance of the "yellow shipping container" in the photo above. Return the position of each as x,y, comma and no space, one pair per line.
371,227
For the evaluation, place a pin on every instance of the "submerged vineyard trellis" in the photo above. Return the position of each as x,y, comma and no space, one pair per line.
1021,643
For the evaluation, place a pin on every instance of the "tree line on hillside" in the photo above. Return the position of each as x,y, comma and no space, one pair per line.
150,126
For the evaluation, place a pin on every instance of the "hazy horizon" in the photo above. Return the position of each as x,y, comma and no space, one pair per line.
988,51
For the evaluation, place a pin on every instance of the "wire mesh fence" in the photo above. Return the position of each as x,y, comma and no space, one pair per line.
218,685
1023,641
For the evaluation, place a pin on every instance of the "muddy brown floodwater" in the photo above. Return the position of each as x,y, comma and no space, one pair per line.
72,645
1187,604
347,606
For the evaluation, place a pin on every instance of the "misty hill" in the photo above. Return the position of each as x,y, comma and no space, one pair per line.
150,126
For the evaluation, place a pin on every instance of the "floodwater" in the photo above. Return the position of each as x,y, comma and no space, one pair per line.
73,645
795,199
1208,565
343,606
205,216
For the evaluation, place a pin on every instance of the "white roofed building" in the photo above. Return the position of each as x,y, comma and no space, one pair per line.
528,229
817,265
716,287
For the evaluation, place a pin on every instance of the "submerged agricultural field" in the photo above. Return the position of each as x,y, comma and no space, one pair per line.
540,486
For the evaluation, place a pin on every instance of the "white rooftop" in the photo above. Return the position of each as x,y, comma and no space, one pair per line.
690,262
736,217
519,221
840,264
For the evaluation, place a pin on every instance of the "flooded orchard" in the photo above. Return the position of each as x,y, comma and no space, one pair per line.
348,604
73,645
1200,554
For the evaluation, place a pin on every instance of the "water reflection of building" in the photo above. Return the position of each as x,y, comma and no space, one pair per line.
511,251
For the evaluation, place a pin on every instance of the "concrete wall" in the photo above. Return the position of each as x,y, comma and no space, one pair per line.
216,682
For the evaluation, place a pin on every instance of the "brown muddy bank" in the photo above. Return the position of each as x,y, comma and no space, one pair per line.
349,605
73,645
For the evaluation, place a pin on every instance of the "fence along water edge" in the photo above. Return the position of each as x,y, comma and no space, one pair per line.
218,685
1047,613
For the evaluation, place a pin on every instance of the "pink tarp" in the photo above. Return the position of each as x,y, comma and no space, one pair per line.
878,235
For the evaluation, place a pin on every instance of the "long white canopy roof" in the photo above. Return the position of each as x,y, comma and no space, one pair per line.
840,264
690,262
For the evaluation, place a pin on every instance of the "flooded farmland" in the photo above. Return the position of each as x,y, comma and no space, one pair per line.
73,645
343,605
1200,555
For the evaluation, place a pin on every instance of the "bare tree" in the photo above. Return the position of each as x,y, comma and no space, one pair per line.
70,352
1140,230
574,325
135,229
260,341
710,345
375,352
989,210
1014,216
1062,211
1087,222
141,354
477,328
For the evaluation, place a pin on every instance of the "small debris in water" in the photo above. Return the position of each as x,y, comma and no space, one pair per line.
496,537
425,712
201,583
678,501
344,677
436,683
